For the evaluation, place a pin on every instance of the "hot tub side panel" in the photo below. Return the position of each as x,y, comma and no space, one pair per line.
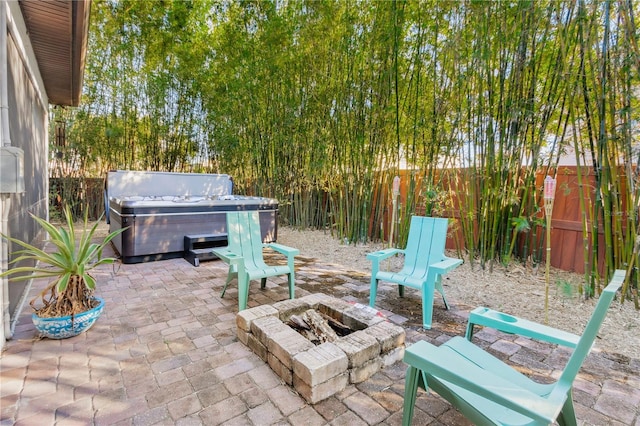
160,235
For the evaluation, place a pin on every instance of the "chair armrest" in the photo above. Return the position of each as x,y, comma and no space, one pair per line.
379,255
447,364
228,256
445,265
514,325
286,250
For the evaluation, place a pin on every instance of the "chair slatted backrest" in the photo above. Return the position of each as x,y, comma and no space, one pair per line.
425,245
244,237
589,335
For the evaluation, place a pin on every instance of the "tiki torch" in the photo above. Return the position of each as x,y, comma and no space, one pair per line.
549,195
394,208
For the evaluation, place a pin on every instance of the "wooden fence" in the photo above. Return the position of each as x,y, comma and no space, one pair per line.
567,240
567,236
81,194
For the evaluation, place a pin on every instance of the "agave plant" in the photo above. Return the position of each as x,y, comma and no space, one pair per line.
71,290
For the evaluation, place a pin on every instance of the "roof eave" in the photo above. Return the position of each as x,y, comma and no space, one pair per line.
58,31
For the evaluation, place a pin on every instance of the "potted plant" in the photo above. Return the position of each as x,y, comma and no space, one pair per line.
69,305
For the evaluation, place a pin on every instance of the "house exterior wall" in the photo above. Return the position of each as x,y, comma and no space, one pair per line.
28,130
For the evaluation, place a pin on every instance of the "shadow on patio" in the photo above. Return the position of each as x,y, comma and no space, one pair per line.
165,351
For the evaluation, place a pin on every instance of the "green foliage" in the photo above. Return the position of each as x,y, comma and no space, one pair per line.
69,265
320,103
521,224
566,289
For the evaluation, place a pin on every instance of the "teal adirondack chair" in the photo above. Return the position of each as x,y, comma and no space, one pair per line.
244,255
488,391
424,263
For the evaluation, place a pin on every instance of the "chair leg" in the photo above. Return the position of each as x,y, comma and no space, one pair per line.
469,332
263,283
243,290
400,290
410,392
427,306
292,283
372,291
292,277
567,416
230,275
441,291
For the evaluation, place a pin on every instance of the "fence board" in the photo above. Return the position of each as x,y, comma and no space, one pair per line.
566,235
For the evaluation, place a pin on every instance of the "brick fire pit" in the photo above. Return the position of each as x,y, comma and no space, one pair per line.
317,372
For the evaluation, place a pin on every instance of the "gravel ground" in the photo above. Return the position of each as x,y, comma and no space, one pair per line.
516,289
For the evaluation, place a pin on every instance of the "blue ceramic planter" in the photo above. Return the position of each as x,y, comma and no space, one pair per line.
63,327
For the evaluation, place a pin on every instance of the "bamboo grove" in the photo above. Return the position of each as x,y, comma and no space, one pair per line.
321,103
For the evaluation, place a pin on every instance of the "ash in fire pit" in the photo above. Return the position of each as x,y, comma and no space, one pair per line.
364,343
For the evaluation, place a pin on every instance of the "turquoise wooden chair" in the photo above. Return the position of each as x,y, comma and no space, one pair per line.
488,391
424,263
244,255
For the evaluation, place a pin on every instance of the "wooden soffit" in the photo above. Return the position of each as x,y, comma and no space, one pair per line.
58,31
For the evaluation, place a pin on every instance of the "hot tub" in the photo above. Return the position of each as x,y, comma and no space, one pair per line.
162,210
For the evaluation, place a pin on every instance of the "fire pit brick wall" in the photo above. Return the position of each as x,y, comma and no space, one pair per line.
317,372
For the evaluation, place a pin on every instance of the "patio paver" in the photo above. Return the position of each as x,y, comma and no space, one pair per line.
165,351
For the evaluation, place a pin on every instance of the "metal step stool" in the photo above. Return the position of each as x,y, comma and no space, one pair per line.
198,247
